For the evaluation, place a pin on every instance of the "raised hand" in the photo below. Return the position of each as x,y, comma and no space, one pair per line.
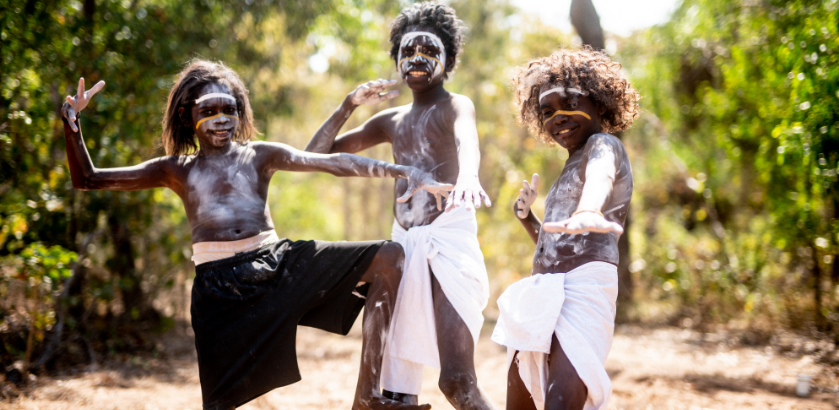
422,180
372,92
467,193
527,196
75,105
581,222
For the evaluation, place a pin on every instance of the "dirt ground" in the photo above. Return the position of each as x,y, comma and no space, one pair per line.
664,368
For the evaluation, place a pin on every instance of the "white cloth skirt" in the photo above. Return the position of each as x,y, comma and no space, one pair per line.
579,308
450,246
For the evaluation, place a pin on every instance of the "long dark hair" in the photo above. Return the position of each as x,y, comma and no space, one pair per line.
179,139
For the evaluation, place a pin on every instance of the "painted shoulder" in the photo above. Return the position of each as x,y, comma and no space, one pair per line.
462,102
604,138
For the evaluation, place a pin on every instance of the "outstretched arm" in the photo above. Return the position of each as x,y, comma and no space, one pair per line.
324,141
468,187
286,158
527,196
84,174
600,179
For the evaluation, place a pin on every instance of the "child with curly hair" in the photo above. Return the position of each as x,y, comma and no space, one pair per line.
444,287
558,324
252,289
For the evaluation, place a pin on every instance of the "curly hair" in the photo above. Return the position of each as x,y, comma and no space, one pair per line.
583,68
179,139
436,16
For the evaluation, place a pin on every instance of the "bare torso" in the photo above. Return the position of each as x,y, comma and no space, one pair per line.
423,137
225,196
561,252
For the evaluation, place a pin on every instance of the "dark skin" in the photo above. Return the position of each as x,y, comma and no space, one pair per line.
437,134
224,188
572,132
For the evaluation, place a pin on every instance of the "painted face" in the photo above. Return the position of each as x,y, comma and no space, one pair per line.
215,115
569,116
422,58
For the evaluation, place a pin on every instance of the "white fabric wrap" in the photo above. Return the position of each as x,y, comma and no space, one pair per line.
579,308
450,246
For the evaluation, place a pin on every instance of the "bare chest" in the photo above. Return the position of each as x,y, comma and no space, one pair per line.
565,193
224,190
425,139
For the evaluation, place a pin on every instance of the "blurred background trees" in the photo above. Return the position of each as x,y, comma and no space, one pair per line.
735,156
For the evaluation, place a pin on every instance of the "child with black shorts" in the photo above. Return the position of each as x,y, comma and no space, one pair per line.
558,324
252,288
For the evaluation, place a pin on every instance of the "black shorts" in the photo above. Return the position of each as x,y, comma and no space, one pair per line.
246,308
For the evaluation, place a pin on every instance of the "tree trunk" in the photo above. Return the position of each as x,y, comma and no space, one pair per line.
817,289
137,308
586,22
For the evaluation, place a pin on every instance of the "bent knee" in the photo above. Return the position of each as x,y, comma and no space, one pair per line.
393,254
458,388
390,257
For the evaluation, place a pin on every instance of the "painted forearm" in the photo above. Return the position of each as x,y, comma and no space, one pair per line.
595,192
78,159
324,138
468,161
600,179
349,165
531,224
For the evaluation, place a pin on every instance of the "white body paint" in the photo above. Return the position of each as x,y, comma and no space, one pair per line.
241,203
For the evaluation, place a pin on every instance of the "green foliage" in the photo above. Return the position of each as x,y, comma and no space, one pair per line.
743,131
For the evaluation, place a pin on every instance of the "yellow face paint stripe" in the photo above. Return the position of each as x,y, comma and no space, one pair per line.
198,124
424,55
567,113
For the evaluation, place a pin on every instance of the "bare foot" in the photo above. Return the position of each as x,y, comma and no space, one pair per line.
378,402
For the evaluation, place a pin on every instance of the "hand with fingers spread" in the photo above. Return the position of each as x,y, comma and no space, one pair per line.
527,196
75,105
418,179
467,193
583,221
372,92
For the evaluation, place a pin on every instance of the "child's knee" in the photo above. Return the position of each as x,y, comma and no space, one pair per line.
392,256
457,387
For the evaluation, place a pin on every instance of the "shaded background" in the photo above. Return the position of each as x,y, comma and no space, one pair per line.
733,221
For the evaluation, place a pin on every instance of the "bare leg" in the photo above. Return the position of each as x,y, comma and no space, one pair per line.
518,397
383,275
566,390
458,380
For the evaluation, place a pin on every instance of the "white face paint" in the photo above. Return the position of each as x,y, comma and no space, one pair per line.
215,95
563,92
440,60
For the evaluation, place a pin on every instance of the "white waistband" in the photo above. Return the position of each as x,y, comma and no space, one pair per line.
203,252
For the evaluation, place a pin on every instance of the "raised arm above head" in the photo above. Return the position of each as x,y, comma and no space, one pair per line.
282,157
368,134
85,176
468,188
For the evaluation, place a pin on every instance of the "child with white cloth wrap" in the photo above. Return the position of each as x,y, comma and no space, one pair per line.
558,324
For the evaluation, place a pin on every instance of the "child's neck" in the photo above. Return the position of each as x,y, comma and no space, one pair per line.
211,151
430,96
572,151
